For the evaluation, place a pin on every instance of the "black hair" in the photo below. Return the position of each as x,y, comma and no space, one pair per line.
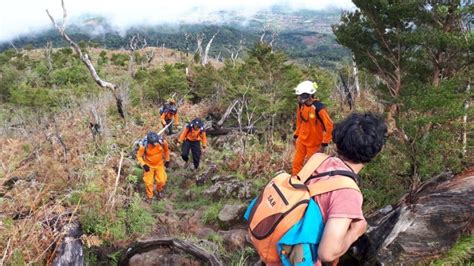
360,137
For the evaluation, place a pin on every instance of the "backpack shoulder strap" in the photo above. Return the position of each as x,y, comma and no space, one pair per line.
318,106
312,164
145,146
335,183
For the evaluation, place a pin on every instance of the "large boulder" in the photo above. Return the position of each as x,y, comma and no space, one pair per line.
232,214
424,225
234,239
225,187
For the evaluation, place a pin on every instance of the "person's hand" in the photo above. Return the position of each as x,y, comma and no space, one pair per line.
204,147
295,138
146,168
167,164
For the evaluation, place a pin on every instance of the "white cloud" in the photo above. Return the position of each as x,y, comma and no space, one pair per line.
19,17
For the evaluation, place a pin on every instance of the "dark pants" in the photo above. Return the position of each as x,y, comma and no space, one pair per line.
169,130
195,147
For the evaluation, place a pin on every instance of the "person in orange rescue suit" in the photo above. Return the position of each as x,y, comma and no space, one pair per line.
154,155
192,137
313,125
169,113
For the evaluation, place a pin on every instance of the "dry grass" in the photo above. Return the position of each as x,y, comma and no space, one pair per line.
41,202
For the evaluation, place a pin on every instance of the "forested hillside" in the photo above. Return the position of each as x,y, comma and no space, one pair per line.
305,36
66,151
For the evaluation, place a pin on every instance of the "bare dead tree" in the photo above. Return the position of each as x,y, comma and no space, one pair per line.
274,37
86,60
467,104
345,92
234,56
218,56
58,137
355,72
208,47
264,31
136,42
244,113
163,53
48,54
466,30
186,39
14,47
149,55
227,112
199,39
96,126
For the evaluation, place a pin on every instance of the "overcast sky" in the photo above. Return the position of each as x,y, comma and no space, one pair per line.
19,17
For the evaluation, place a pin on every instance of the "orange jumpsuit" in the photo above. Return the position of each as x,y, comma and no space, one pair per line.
311,132
154,159
192,139
193,135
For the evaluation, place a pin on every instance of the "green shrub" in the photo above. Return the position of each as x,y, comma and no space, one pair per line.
460,254
94,221
139,220
210,216
120,59
159,206
76,74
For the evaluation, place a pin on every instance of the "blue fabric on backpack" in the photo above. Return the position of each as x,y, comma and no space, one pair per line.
308,231
249,209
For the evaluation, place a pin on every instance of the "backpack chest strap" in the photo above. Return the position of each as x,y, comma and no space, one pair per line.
328,185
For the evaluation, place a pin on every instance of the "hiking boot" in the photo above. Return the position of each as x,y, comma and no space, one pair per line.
148,200
160,195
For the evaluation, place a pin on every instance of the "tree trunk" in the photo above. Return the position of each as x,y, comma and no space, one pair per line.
424,225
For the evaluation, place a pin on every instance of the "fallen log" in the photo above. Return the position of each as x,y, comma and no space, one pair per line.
424,225
148,245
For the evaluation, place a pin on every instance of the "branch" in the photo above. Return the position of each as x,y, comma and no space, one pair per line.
227,113
144,246
111,199
84,56
86,60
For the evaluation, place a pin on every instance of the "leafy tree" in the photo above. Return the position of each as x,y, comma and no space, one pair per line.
8,80
377,32
421,52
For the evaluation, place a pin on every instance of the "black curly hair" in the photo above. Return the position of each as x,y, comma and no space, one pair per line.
360,137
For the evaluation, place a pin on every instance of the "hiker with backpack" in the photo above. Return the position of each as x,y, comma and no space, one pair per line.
153,155
191,138
169,115
316,215
313,125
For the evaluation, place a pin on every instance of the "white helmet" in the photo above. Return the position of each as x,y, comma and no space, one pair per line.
306,87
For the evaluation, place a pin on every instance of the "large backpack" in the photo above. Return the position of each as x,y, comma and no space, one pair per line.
194,122
164,108
141,142
284,222
168,108
318,106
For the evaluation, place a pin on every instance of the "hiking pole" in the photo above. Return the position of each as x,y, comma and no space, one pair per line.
163,129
